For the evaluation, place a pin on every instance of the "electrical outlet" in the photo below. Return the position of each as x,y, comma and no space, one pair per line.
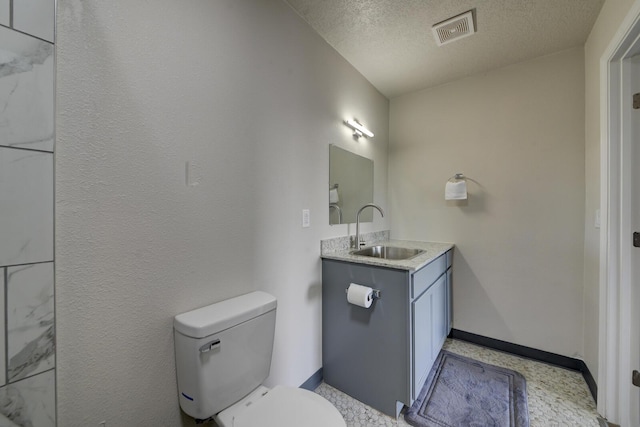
306,218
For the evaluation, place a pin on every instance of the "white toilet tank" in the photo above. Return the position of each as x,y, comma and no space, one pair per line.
223,352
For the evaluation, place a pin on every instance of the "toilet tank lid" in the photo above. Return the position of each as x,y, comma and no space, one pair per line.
222,315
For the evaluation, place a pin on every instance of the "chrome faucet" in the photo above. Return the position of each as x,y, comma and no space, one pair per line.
356,243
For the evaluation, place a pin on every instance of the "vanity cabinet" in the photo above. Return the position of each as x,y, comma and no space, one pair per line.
382,355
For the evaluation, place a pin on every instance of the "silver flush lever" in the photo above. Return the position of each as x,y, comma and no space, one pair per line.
210,346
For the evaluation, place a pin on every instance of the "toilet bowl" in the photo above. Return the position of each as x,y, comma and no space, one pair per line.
281,407
223,354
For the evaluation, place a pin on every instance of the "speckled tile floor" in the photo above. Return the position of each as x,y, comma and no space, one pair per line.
557,397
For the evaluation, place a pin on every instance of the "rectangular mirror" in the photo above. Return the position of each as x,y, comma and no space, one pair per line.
350,186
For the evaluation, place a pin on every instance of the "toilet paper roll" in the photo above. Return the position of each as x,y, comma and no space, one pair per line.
359,295
333,196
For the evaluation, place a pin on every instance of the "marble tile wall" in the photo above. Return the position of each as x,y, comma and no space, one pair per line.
26,91
27,314
5,12
35,17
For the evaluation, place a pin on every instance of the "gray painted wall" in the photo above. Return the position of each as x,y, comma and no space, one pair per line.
251,95
518,133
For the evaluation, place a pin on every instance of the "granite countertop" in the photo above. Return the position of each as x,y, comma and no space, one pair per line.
432,250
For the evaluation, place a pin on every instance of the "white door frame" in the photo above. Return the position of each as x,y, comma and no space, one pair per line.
614,361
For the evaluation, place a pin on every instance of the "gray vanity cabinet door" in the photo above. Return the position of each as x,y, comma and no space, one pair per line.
421,310
439,314
429,330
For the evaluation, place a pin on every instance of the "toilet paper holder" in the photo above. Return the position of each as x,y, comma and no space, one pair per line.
457,177
376,293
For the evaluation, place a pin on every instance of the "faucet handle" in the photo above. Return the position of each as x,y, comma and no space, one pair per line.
356,244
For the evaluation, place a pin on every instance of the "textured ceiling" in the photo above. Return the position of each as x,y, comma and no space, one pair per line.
391,43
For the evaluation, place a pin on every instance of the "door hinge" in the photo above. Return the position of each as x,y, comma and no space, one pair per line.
636,239
635,378
636,101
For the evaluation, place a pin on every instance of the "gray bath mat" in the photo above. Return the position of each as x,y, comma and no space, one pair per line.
461,392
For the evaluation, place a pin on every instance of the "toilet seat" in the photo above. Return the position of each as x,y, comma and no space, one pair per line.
289,407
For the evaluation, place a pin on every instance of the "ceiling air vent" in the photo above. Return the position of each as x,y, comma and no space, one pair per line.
455,28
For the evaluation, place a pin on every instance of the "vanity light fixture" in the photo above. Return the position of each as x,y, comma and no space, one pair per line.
358,129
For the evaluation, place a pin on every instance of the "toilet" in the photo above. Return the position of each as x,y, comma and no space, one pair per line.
223,354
